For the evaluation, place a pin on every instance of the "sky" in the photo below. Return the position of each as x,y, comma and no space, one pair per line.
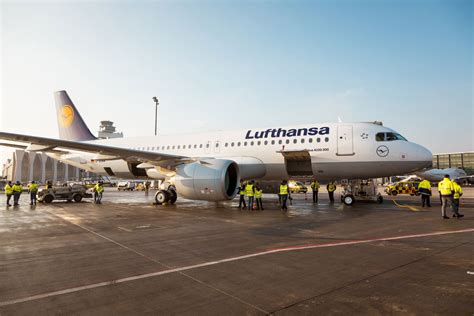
217,65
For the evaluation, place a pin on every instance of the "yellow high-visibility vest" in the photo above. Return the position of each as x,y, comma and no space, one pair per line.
33,187
258,193
18,188
315,185
249,189
445,187
283,189
98,188
8,189
457,190
425,184
242,189
331,187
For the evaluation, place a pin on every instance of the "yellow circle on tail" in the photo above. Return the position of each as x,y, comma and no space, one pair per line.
66,117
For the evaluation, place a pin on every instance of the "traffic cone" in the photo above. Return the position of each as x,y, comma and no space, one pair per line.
254,206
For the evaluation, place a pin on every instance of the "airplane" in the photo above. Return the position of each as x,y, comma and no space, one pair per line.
209,166
438,174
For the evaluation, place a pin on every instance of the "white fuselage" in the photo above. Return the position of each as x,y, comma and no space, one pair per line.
322,150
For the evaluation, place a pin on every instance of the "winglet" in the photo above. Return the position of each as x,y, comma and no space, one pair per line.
70,123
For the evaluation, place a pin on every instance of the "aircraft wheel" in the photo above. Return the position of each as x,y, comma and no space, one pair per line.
173,196
161,197
349,199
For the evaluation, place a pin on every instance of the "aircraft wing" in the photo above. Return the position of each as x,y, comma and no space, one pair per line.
104,152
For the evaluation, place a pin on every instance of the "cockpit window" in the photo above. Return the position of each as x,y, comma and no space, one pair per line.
387,137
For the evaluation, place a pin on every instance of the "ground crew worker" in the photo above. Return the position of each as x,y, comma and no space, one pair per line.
446,190
315,187
258,196
250,192
17,189
147,187
33,189
425,191
242,195
98,189
457,195
331,187
9,192
284,194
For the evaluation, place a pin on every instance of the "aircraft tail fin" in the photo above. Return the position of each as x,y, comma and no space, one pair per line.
70,123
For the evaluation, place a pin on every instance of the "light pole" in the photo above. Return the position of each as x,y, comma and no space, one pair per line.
156,111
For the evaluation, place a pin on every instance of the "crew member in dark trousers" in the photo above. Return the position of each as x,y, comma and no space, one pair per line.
456,197
284,194
425,191
98,190
250,192
17,189
9,192
242,195
331,187
33,189
315,187
258,196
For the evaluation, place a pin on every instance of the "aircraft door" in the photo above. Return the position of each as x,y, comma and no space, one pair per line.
345,146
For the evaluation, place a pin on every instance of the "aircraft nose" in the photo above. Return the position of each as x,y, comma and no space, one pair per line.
424,155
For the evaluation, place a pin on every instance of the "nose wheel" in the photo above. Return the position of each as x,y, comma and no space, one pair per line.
166,196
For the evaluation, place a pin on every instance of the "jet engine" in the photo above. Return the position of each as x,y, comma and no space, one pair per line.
208,179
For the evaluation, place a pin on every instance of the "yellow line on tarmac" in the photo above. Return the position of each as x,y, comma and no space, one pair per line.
411,208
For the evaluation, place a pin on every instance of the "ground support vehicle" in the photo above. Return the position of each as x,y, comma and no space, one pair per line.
297,187
69,193
360,190
403,187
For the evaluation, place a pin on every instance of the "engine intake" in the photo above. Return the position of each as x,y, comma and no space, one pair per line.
209,179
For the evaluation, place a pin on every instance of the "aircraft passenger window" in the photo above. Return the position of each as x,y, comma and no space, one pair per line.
184,146
173,146
189,146
287,141
217,144
195,146
200,145
310,140
302,140
179,146
318,139
295,141
226,144
273,142
258,143
207,145
245,143
265,142
279,142
168,147
251,143
232,144
326,139
238,144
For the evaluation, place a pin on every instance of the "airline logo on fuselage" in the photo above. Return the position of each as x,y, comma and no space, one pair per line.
281,132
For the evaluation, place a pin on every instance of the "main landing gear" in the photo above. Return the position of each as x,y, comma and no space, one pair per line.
166,196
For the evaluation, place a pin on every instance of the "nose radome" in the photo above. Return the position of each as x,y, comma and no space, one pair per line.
425,155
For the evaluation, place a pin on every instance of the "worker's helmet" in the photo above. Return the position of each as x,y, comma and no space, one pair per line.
32,181
446,176
18,182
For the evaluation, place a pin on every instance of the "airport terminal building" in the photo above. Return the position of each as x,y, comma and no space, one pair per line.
463,160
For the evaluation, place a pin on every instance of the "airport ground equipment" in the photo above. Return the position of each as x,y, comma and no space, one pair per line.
403,187
297,187
360,190
69,193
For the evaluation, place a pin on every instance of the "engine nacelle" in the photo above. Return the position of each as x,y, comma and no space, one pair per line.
209,179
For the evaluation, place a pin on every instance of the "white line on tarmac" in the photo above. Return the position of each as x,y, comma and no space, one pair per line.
211,263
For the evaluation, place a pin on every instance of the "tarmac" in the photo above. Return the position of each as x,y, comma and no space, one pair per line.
128,256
